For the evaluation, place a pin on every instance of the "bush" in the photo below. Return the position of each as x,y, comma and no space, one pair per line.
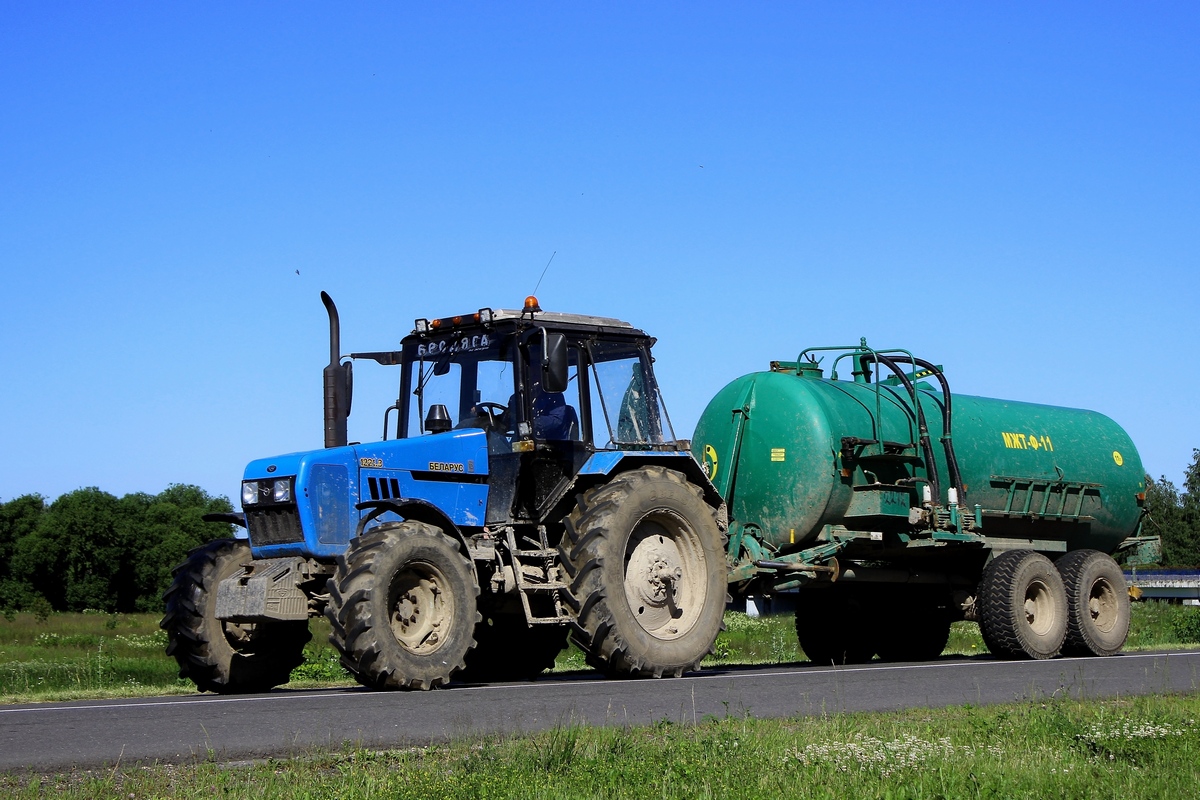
1187,626
40,608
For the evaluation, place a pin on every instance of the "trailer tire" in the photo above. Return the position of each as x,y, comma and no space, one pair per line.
1022,606
403,607
225,657
837,630
507,649
917,631
646,565
1097,603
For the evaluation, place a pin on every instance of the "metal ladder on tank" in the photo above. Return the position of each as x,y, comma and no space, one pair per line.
1027,488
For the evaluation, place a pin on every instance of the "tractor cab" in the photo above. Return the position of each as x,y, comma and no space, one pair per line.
546,390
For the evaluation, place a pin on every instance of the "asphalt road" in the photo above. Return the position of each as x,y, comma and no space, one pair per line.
53,736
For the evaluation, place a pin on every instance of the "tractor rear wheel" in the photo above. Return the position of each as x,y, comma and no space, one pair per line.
219,656
1022,606
647,574
402,604
507,649
1097,603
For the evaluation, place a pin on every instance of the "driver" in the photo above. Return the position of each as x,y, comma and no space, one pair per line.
552,417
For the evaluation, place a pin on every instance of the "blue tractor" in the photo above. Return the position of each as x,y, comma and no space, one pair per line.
528,489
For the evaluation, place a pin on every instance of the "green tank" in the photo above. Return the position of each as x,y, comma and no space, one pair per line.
888,507
793,452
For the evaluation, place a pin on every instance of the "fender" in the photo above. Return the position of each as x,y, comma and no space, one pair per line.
417,511
604,465
229,518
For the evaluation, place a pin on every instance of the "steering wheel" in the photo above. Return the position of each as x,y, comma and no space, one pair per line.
492,410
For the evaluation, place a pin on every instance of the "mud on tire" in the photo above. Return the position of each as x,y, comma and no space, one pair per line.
1022,606
647,574
403,607
225,657
1097,603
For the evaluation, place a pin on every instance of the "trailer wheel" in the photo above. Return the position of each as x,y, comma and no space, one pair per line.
833,628
1022,606
507,649
402,604
1097,603
647,572
225,657
917,630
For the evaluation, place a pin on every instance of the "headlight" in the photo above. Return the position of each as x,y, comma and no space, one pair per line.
249,493
283,491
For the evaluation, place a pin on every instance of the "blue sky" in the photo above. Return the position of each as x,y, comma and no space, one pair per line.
1011,190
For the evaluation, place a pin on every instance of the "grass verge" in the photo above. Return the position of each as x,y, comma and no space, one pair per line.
76,656
1146,747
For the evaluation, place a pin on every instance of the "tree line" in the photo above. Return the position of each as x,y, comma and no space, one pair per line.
1175,516
92,550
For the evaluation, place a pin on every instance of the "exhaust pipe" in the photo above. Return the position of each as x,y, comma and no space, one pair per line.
339,382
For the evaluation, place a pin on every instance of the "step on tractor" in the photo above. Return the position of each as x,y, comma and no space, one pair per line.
840,502
528,489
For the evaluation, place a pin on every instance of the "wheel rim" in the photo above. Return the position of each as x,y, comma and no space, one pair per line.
1039,608
664,575
420,607
1102,606
240,636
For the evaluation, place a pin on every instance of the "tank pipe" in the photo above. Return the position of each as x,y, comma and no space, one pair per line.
947,442
922,427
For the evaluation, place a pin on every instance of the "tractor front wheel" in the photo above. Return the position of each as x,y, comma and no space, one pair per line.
219,656
403,607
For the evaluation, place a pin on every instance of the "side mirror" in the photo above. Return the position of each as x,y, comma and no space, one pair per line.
554,363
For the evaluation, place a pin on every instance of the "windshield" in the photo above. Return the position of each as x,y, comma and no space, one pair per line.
471,375
610,392
626,407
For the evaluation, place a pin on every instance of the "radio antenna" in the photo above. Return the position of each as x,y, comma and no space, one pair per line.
539,283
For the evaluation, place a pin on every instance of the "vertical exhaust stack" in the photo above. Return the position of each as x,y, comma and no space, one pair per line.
338,382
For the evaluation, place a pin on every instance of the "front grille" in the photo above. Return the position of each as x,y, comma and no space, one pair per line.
276,525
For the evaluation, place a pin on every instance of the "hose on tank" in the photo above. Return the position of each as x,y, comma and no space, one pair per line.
922,427
947,442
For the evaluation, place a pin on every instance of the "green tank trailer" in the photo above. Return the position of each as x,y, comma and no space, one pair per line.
892,507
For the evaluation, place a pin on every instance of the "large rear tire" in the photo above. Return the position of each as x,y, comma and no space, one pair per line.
218,656
402,604
647,572
507,649
1022,606
1097,603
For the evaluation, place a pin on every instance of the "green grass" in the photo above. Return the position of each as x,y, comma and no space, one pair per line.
70,656
73,656
1146,747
